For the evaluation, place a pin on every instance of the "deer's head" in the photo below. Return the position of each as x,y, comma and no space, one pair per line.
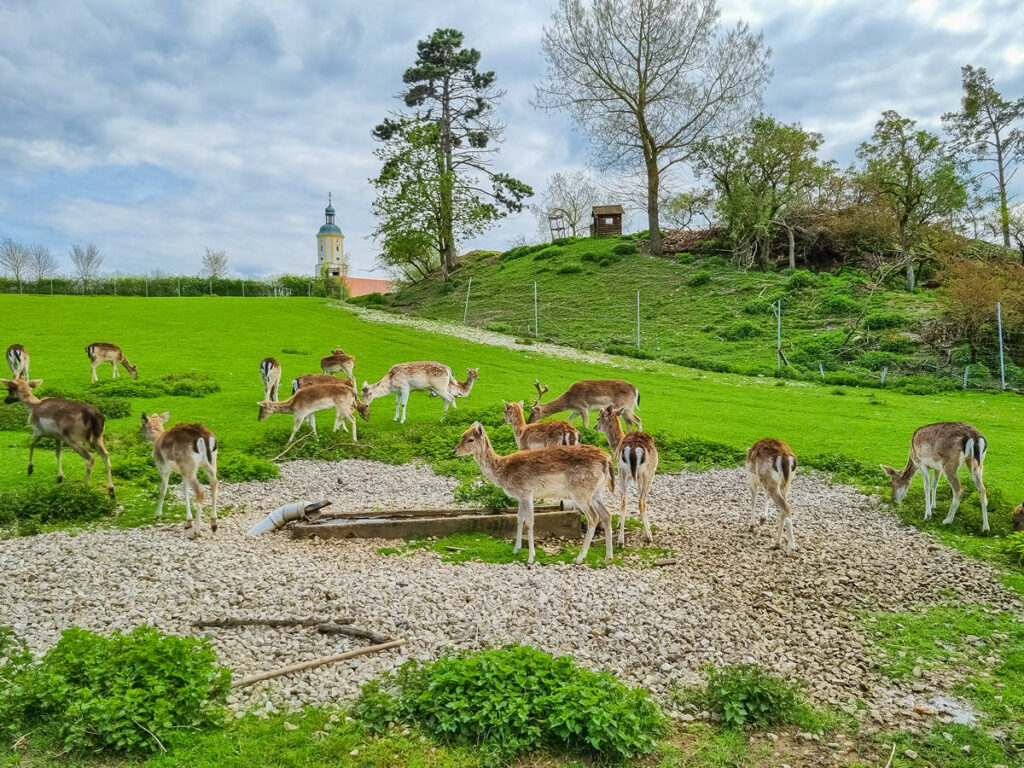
133,370
267,408
153,425
537,411
474,440
899,484
513,411
19,390
363,409
609,415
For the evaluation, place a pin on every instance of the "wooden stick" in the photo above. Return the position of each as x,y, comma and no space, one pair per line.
228,623
891,755
292,445
344,629
666,561
316,663
440,512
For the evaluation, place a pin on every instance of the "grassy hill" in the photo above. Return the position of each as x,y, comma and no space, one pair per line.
702,312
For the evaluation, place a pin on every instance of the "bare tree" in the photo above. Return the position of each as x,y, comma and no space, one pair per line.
86,260
215,264
42,263
569,195
14,258
649,79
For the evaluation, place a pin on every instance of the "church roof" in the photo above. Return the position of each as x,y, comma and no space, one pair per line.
329,229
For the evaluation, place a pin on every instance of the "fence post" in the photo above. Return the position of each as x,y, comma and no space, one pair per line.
885,372
536,327
822,369
115,284
147,286
465,312
51,286
966,369
179,287
778,339
638,319
211,286
243,287
1002,368
309,289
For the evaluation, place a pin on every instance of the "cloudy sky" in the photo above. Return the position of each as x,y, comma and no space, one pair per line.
156,129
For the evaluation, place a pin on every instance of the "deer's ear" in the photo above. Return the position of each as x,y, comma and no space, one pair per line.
35,383
504,401
888,470
522,403
6,382
165,416
478,429
144,419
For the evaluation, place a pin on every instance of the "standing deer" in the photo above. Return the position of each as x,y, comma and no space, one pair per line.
309,379
770,465
306,402
586,396
78,425
270,374
425,376
183,448
1018,517
338,361
463,388
17,361
100,353
943,448
578,472
545,434
636,456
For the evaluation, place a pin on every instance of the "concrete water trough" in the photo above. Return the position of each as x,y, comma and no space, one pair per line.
550,521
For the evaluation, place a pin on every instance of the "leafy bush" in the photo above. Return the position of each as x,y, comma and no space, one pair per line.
799,280
1014,546
925,385
449,285
498,327
564,240
876,360
483,493
897,344
845,469
746,694
514,701
838,304
625,249
676,453
13,417
978,375
113,407
684,258
960,355
608,260
57,503
126,693
189,384
243,467
741,329
570,269
589,256
547,253
368,299
880,321
697,279
715,262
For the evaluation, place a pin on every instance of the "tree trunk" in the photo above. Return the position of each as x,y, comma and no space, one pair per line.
792,247
1004,209
910,271
653,224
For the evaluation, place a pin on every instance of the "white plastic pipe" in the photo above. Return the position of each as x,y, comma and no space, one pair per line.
283,515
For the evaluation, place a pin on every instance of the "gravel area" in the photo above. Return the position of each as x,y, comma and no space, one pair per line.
730,597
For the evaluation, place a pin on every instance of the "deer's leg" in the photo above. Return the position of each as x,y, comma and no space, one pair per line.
211,469
58,449
312,423
958,491
606,521
784,518
977,472
586,418
188,504
753,505
101,449
296,423
114,365
926,474
527,508
338,420
520,518
405,403
645,489
355,437
398,405
193,483
165,477
83,451
94,372
623,496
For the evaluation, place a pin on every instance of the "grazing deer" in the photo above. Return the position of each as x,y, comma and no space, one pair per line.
306,402
183,448
309,379
100,353
770,465
463,388
270,374
636,456
424,376
943,448
17,361
545,434
586,396
575,471
78,425
1018,517
338,361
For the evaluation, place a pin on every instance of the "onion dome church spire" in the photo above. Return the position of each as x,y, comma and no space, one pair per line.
330,261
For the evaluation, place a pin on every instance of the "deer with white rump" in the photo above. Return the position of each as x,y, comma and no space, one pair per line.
578,472
100,353
770,465
270,375
943,448
309,379
183,448
308,401
636,456
586,396
17,361
69,422
424,376
544,434
338,361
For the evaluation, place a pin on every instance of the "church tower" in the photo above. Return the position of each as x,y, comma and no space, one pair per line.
330,258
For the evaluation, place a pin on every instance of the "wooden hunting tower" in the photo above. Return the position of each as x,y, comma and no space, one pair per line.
606,221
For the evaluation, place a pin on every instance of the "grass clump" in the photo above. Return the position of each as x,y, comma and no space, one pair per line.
625,249
876,360
1014,546
838,304
13,417
244,467
514,701
173,384
881,321
498,327
126,693
31,506
570,269
741,329
697,279
799,280
747,694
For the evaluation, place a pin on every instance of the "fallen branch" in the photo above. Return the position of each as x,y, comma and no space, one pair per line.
891,755
292,445
316,663
228,623
345,629
666,561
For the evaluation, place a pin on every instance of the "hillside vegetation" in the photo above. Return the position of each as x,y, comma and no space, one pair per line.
703,312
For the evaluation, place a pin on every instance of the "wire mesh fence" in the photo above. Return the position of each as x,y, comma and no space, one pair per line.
178,286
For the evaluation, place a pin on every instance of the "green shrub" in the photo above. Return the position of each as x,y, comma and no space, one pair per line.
57,503
979,375
1013,544
625,249
897,344
482,493
880,321
515,701
697,279
189,384
824,348
740,329
715,262
799,280
746,694
498,327
570,269
126,693
925,385
547,253
692,361
243,467
113,407
589,256
876,360
368,299
608,260
13,417
676,453
684,258
838,304
961,355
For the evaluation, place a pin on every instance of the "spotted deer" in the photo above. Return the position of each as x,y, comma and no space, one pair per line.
770,465
17,361
943,448
309,379
308,401
100,353
270,375
183,448
544,434
1018,517
423,376
69,422
636,457
586,396
578,472
338,361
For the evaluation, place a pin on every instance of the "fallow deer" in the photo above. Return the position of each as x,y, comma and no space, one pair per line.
544,434
183,448
770,465
943,448
17,361
270,375
308,401
1018,517
309,379
463,388
586,396
403,378
68,422
338,361
578,472
100,353
636,456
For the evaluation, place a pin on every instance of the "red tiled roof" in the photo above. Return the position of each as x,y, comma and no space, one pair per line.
360,286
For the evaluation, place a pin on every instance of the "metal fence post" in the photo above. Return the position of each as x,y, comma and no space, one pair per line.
885,372
147,286
211,286
179,287
966,369
536,326
243,287
465,312
822,369
51,286
1002,368
778,338
638,319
